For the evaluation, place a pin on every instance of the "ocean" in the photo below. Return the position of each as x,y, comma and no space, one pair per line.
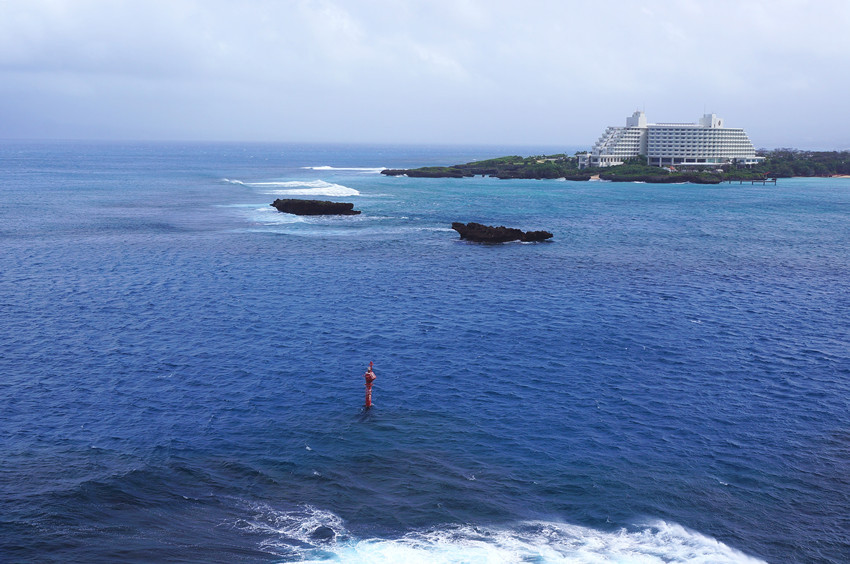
181,366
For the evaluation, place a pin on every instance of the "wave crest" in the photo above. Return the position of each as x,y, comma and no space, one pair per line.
313,535
300,188
371,169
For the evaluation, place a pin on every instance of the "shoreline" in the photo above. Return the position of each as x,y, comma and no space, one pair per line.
829,176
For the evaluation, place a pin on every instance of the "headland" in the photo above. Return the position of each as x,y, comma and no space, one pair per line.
777,163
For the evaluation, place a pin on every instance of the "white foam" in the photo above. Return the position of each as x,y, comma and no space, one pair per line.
288,525
331,190
545,542
371,169
300,188
528,541
270,216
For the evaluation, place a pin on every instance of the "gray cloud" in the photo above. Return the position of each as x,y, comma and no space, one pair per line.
534,72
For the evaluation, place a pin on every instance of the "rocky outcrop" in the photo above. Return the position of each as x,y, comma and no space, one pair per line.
488,234
428,172
663,178
313,207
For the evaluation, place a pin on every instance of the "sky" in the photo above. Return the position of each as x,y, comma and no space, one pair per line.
524,72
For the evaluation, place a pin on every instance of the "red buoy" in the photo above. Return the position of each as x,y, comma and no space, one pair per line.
370,377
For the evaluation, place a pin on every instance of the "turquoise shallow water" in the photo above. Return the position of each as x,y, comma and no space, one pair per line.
665,381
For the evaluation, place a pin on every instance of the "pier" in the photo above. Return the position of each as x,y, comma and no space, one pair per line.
761,181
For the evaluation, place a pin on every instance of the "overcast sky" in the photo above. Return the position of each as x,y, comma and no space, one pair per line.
444,71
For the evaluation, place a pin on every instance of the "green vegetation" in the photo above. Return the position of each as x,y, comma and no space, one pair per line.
784,163
656,175
779,163
539,167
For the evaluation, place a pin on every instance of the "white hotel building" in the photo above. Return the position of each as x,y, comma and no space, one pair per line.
706,143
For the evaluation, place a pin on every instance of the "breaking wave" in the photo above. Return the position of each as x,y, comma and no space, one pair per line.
375,170
271,217
299,188
312,535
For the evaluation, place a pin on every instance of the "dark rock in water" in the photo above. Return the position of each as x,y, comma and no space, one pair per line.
489,234
314,207
534,236
428,172
323,534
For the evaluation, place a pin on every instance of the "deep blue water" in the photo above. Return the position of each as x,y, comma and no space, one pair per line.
666,380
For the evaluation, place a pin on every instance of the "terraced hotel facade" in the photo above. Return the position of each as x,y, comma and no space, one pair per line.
705,143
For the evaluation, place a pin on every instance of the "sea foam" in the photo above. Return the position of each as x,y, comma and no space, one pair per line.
299,188
350,168
313,535
544,542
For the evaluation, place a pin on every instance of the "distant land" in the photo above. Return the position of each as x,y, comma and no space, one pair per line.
778,163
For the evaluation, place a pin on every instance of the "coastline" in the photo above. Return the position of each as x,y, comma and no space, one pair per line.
825,176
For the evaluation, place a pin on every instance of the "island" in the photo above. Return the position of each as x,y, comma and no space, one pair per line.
480,233
778,163
557,166
313,207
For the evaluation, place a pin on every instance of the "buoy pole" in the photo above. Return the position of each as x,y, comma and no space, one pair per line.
370,377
